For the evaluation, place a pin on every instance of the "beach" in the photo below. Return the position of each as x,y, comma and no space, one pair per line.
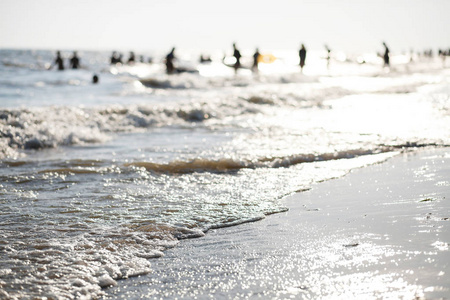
379,232
107,187
250,150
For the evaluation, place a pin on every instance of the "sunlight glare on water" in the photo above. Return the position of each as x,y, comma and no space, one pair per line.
96,179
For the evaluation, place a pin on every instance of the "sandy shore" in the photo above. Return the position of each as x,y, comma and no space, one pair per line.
379,232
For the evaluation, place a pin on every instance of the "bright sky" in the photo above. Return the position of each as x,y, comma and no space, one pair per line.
347,25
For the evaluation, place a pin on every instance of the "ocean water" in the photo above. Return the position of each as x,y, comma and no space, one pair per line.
96,180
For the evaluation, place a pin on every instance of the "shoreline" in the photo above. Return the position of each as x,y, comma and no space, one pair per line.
379,231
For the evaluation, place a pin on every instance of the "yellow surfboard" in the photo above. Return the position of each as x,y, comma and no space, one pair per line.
266,58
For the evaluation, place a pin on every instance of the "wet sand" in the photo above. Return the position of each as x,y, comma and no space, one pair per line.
379,232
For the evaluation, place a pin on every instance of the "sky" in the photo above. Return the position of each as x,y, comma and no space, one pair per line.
345,25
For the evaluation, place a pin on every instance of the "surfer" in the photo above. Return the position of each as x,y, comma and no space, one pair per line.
302,55
58,61
386,55
256,58
170,68
237,56
74,61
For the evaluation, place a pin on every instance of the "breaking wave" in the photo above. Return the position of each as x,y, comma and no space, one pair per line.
231,165
49,127
39,128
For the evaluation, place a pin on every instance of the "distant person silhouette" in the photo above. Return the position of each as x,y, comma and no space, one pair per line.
328,56
132,58
95,79
443,55
386,55
116,58
113,59
170,68
205,59
411,55
256,57
74,61
237,56
58,61
302,55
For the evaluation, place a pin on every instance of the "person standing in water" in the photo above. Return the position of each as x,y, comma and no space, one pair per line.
95,79
302,55
114,58
58,61
237,56
256,58
386,55
132,58
170,68
74,61
328,56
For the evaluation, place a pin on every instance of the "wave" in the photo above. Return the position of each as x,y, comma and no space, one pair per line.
86,264
40,128
195,81
29,66
231,165
37,128
205,165
70,171
196,165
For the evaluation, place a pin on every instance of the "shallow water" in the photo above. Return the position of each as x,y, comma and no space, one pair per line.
97,179
379,232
